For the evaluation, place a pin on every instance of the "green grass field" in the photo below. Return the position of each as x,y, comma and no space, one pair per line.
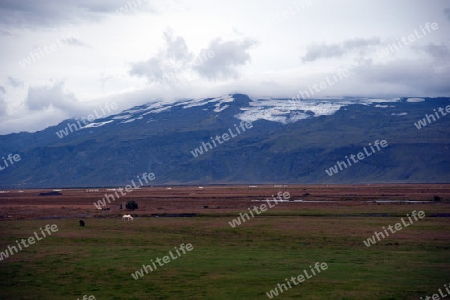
226,263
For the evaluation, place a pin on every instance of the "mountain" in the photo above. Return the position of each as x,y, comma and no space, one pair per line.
269,141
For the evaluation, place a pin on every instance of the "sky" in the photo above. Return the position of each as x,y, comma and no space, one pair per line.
65,59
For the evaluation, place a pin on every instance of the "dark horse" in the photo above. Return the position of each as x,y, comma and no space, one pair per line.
82,223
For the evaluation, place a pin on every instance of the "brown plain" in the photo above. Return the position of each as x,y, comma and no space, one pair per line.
222,200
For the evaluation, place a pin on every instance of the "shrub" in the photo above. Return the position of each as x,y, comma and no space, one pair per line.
131,205
437,198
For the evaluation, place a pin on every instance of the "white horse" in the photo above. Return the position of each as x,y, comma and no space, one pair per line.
127,217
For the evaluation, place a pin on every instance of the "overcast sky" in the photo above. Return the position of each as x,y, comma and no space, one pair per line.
62,59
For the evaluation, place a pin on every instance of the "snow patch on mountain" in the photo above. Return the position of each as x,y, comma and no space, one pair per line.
158,110
415,100
280,110
219,109
98,124
383,106
121,117
285,111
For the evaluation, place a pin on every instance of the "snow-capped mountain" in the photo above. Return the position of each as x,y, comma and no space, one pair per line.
264,140
277,110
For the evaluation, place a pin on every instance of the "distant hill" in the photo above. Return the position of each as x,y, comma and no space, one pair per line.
289,142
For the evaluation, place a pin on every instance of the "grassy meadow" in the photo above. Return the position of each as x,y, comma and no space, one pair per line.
226,263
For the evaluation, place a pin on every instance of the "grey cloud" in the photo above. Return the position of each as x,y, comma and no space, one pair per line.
47,13
3,106
227,57
438,52
4,32
447,13
14,82
417,77
42,97
74,42
152,69
169,62
219,61
316,52
360,44
176,48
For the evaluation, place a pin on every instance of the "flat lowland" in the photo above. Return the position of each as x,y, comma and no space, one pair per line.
245,262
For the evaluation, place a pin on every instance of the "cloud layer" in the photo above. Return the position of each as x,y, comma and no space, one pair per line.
137,51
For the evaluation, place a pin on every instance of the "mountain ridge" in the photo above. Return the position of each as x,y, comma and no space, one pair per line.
290,142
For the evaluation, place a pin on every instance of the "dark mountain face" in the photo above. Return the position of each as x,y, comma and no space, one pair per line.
234,139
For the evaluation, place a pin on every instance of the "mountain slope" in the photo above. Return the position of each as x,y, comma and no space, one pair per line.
289,142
